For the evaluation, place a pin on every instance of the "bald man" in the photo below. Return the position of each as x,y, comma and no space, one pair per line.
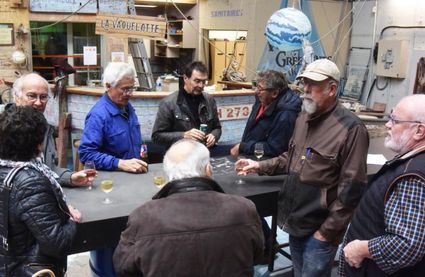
33,90
191,227
387,233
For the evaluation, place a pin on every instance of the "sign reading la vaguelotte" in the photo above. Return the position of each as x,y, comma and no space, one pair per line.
131,25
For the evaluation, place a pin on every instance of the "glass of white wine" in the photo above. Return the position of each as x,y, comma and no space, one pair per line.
258,150
159,178
107,186
90,170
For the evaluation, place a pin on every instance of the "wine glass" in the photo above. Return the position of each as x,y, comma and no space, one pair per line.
159,178
258,150
107,186
239,181
90,170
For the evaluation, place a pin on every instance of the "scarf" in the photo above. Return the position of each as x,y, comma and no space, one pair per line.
38,165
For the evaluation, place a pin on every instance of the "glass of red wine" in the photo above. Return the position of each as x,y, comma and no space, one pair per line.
90,170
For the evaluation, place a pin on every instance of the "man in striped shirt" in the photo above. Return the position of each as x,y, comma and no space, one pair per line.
387,233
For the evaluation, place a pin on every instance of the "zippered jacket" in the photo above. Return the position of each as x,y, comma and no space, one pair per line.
326,160
174,118
109,135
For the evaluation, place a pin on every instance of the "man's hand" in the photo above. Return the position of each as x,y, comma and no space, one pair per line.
210,138
75,214
317,235
80,179
195,134
235,150
356,251
245,166
133,165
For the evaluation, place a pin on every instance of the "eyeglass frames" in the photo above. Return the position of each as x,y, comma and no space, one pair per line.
33,97
395,121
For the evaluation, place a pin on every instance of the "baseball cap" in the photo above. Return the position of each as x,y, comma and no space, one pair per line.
320,70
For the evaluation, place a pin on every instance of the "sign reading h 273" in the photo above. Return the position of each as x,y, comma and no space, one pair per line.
234,112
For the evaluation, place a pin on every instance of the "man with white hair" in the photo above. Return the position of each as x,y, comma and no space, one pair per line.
387,234
111,136
326,172
33,90
191,227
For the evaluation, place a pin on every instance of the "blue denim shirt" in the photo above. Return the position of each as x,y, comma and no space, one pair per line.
109,136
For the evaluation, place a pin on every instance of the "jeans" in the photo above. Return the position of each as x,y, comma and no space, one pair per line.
311,257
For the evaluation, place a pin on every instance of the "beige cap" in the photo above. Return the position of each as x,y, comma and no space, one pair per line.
320,70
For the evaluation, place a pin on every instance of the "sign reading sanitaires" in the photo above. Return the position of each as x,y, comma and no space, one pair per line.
131,25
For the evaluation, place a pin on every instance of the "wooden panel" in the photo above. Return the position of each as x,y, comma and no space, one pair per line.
133,26
15,16
218,60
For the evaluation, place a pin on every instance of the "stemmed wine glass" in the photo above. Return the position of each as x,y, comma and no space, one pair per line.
239,181
90,170
107,186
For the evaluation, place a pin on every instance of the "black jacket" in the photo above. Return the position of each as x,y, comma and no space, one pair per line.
174,118
274,127
40,232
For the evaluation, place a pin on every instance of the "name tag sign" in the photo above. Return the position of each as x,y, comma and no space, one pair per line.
234,112
131,25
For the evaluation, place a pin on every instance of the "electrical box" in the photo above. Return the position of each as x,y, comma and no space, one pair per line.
392,58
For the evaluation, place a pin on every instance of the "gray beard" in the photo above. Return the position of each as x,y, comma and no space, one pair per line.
309,106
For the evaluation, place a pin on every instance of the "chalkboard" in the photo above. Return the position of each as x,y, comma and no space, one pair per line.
113,6
64,6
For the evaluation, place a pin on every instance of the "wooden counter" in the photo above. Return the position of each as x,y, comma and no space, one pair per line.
98,91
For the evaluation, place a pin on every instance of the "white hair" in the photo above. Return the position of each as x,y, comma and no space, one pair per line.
186,158
115,72
415,106
19,84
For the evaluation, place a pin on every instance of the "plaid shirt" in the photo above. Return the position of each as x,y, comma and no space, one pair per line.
403,244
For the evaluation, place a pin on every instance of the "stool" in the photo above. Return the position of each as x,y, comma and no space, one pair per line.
78,165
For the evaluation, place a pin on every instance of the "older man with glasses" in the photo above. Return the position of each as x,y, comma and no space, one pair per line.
181,113
387,234
33,90
111,136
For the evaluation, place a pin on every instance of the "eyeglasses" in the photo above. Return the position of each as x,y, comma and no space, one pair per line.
42,97
259,88
127,90
398,121
200,81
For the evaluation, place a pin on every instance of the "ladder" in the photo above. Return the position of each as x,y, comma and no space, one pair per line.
140,58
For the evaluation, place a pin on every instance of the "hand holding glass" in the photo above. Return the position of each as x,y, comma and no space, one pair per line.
90,170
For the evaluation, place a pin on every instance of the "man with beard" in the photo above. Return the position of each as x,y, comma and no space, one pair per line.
387,234
181,113
326,172
111,136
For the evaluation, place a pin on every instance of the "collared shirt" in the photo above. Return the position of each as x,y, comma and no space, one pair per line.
403,244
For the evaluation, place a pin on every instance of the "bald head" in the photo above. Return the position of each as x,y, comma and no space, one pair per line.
406,127
413,106
187,158
31,90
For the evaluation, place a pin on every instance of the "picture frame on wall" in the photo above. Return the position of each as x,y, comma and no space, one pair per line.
419,86
7,37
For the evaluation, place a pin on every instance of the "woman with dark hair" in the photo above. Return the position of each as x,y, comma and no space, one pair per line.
36,225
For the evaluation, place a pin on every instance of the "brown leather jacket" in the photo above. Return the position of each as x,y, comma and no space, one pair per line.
326,160
191,228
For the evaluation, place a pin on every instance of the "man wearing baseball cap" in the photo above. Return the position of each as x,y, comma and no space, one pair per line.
326,172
